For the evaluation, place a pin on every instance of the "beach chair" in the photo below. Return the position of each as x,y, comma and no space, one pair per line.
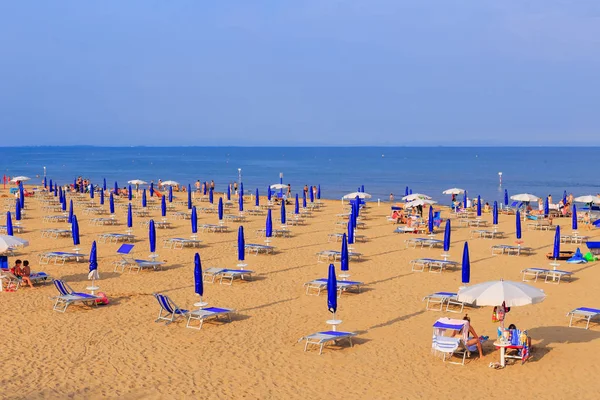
315,286
169,312
56,256
584,314
550,275
227,274
13,282
436,301
68,296
322,338
207,313
449,346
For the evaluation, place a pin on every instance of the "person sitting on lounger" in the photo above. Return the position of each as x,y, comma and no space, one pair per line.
16,270
25,272
473,337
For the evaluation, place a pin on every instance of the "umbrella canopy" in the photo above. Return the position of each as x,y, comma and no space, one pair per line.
63,204
360,195
297,205
211,198
93,258
198,284
20,179
466,265
55,190
526,197
129,216
419,202
495,293
344,255
350,230
70,217
228,192
241,203
447,233
556,247
312,196
189,197
406,193
194,219
589,199
495,214
331,290
163,206
152,236
9,225
220,208
91,191
204,188
241,244
101,196
319,191
242,189
170,183
518,224
416,196
129,193
8,242
430,221
137,182
111,204
479,206
278,186
17,210
170,194
453,191
283,212
574,217
257,198
151,189
144,199
506,197
75,230
269,224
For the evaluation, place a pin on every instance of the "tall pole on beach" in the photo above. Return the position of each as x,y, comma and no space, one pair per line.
281,183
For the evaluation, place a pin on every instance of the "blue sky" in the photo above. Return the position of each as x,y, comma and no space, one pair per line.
312,72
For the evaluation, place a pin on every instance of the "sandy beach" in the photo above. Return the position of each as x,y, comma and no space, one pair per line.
118,350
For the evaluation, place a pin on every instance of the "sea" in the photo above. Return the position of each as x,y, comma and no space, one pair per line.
484,171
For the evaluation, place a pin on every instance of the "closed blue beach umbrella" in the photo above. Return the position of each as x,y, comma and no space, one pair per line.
129,216
312,196
111,204
466,265
556,247
304,200
70,217
163,207
465,199
564,197
129,193
104,184
283,212
170,194
63,205
406,191
518,224
93,257
75,230
102,196
205,188
75,184
447,233
198,284
430,222
91,191
152,236
241,244
151,189
220,209
478,206
505,197
211,198
495,213
9,225
269,193
297,205
55,190
242,189
257,204
410,191
116,188
319,192
344,256
362,188
241,203
144,199
189,195
332,291
228,192
45,183
350,230
194,219
269,224
17,210
574,218
60,194
546,207
50,188
81,189
21,195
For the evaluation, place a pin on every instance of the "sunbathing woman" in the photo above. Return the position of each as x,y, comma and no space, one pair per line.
473,337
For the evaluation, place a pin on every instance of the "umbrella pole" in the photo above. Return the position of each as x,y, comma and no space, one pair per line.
201,303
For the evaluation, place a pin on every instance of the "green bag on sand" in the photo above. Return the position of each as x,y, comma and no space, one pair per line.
590,257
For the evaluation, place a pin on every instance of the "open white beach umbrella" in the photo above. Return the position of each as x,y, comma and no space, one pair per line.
524,197
416,196
453,191
20,179
278,186
494,293
361,195
587,199
419,202
137,182
170,183
7,242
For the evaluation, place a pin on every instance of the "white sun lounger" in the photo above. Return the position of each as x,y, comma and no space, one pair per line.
322,338
16,228
335,255
56,256
583,313
227,274
436,301
56,233
315,286
213,228
510,250
103,221
115,237
259,248
207,313
337,237
139,264
550,275
434,265
423,242
180,243
55,218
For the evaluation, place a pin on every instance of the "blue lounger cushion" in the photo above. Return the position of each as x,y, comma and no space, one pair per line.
335,333
216,309
86,295
587,309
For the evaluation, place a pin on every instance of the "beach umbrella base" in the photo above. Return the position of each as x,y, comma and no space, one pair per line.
201,303
92,288
242,265
445,255
334,323
153,256
344,276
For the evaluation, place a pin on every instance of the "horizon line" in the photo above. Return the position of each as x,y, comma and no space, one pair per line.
304,146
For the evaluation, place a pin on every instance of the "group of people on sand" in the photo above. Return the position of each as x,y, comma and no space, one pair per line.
22,271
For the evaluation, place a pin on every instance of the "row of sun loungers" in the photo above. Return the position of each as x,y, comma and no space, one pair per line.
434,265
284,233
103,221
60,257
422,242
315,286
56,233
226,274
574,238
511,250
180,243
55,218
259,248
334,255
115,237
486,234
213,228
549,275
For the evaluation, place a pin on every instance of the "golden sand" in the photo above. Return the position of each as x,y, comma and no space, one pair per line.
119,351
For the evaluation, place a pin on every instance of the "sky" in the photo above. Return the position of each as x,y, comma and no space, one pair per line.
311,72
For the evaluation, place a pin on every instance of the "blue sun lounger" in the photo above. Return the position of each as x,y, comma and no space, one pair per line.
68,296
322,338
207,313
434,265
169,312
584,314
11,281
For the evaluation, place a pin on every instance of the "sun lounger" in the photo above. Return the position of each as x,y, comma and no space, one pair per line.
55,218
226,274
259,248
486,234
207,313
322,338
436,301
158,224
594,247
16,228
115,237
182,215
583,313
180,243
510,250
56,233
550,275
169,312
56,256
235,218
406,229
338,237
434,265
315,286
423,242
512,209
284,233
335,255
139,264
574,238
68,296
13,282
103,221
213,228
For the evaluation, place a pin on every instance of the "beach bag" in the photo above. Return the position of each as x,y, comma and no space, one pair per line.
103,300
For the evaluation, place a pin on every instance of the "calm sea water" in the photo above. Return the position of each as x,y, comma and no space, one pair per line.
339,170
